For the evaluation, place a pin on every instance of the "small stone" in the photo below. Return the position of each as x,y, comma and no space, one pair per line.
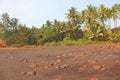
31,73
82,54
64,66
23,73
102,47
34,65
103,69
97,67
46,67
74,59
81,69
58,56
58,61
58,67
64,55
50,65
95,79
59,78
92,61
76,62
24,60
35,69
11,57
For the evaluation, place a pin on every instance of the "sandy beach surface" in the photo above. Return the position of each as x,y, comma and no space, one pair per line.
83,62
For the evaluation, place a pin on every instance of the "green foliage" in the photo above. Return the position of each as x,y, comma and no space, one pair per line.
49,34
16,45
116,37
86,27
22,34
41,41
12,39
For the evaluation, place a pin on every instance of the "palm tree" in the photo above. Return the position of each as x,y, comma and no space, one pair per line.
73,22
92,15
92,12
74,17
102,14
57,26
48,24
109,16
115,11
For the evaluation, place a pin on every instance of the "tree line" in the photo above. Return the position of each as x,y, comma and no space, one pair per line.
91,24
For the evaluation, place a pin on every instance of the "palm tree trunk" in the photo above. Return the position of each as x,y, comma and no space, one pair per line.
102,21
109,23
115,22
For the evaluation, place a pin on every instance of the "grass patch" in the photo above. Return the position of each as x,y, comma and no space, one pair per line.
68,42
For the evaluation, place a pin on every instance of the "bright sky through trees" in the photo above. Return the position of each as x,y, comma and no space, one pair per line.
36,12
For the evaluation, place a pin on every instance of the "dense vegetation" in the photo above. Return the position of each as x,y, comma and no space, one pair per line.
91,25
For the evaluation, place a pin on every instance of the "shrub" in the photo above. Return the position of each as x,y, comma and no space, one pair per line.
16,45
116,37
41,41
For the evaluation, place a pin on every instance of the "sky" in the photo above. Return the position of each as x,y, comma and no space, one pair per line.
37,12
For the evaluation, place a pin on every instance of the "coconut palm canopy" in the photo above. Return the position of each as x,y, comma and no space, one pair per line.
92,23
37,12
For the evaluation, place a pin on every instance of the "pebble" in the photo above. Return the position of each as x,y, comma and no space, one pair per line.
92,61
24,60
95,79
82,54
49,65
81,69
23,73
64,66
97,67
58,56
34,65
31,73
59,78
58,61
11,57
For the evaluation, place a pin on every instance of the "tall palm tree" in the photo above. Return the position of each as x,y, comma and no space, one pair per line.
102,14
73,22
74,17
92,11
48,24
57,26
109,16
92,15
115,11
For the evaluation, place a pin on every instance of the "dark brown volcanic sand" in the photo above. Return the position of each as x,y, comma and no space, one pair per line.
85,62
